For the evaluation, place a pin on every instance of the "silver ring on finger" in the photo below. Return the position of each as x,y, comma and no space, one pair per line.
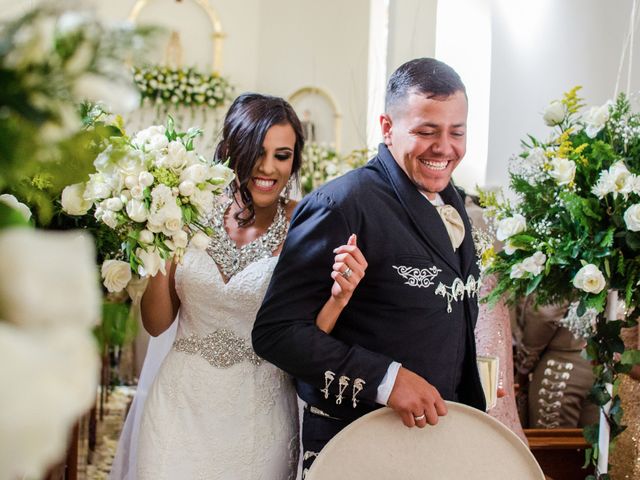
420,417
347,273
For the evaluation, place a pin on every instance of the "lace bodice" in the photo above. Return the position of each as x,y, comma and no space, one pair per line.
207,303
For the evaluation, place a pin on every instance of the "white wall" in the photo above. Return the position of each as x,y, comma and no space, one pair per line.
323,44
463,40
542,49
412,31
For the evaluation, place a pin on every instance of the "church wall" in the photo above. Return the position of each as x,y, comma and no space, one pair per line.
542,49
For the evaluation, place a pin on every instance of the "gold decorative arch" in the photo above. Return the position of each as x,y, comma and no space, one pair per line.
217,37
337,116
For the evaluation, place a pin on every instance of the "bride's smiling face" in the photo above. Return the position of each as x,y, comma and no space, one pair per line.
273,167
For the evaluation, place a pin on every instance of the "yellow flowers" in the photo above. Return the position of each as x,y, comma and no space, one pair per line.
572,101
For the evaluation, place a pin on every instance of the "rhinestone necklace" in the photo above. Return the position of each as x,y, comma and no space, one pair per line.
231,259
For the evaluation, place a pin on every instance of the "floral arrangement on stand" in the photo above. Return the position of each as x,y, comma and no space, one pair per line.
162,85
50,60
573,235
321,163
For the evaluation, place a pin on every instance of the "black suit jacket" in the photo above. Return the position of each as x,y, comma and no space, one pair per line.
417,303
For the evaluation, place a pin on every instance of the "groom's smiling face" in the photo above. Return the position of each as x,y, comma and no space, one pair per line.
427,138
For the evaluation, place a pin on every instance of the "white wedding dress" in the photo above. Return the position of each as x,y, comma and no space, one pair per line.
215,410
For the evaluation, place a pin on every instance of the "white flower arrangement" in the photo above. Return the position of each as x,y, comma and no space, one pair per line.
155,192
182,86
321,163
574,235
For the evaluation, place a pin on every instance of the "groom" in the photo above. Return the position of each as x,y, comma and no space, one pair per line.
405,339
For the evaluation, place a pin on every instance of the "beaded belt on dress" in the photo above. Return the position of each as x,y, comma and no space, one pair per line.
222,348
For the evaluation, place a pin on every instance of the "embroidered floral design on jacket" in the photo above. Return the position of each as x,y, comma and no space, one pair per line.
418,277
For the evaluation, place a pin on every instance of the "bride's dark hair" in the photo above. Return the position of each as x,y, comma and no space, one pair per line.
245,126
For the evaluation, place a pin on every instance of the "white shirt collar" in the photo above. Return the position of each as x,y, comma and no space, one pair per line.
436,202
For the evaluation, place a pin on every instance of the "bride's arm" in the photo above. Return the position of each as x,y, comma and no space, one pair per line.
347,256
160,302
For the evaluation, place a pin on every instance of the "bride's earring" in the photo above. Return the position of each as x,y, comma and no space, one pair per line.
286,193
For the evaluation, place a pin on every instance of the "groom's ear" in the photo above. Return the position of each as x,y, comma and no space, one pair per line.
386,127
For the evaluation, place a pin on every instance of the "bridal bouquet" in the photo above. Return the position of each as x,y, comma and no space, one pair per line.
154,191
573,234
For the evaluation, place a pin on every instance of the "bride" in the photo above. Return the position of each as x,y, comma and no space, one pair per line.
216,410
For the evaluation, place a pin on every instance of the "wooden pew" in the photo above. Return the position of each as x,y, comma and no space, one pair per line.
559,451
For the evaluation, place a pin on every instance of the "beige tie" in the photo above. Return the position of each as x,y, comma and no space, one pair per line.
453,223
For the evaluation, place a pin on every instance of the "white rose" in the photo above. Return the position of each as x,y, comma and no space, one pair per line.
103,161
187,188
151,261
596,119
176,158
153,138
554,113
632,218
130,181
110,219
200,240
157,143
73,201
197,173
98,187
589,279
172,225
509,247
146,237
517,271
114,204
137,192
131,164
621,179
563,171
137,211
534,264
48,278
203,201
145,179
508,227
61,365
539,257
219,171
180,239
13,202
167,220
160,196
116,275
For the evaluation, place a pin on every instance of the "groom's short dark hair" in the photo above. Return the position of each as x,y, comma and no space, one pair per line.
425,76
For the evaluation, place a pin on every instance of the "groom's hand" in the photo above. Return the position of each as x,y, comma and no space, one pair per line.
416,400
